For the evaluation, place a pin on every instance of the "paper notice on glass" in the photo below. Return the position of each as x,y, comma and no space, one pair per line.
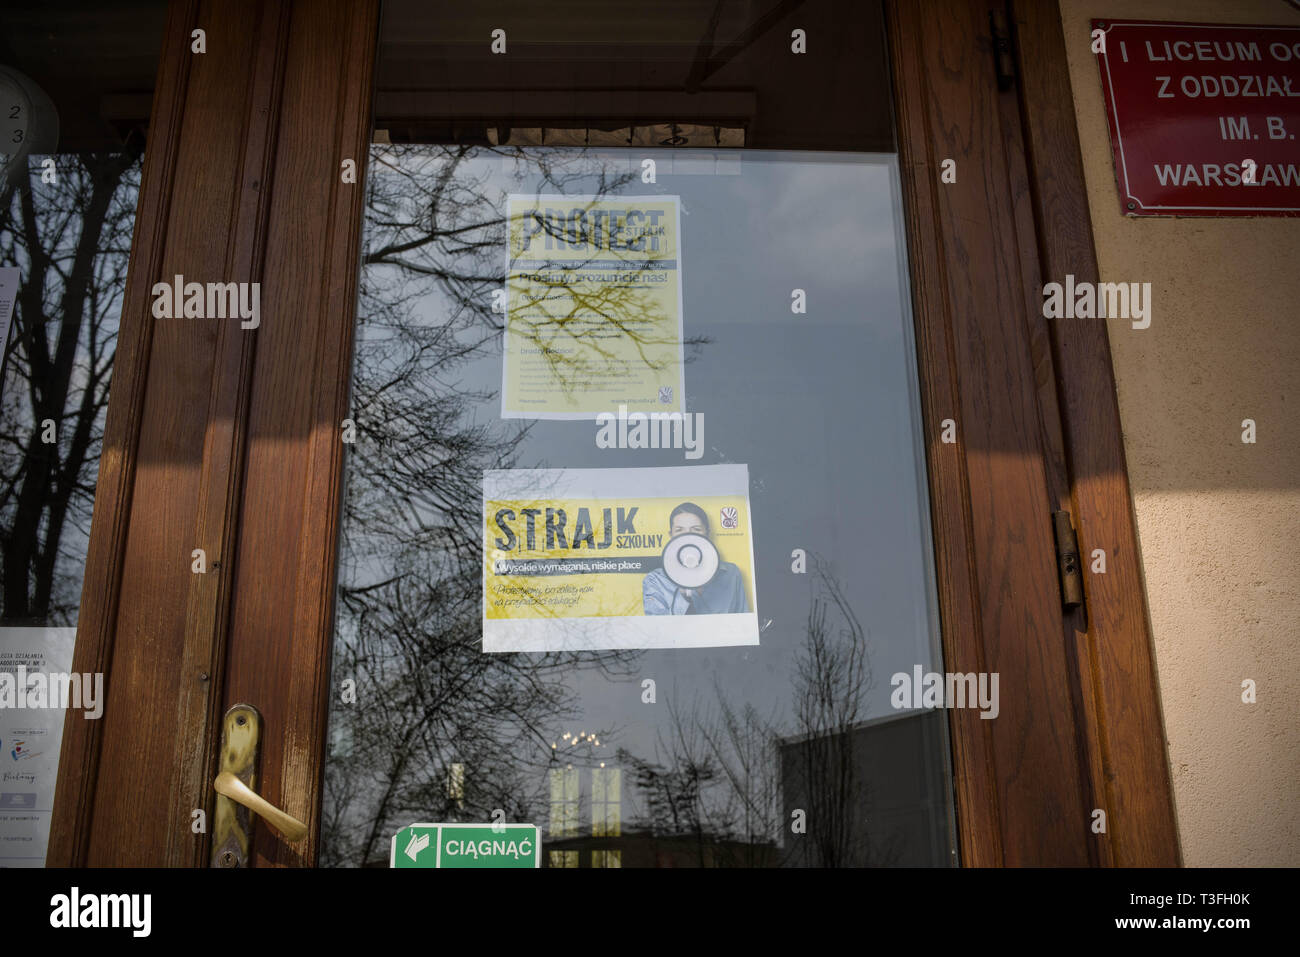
593,306
8,294
585,559
33,696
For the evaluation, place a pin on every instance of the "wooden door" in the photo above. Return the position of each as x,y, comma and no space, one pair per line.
230,441
223,439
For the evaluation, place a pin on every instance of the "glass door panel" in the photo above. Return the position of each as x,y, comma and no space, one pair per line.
635,540
713,762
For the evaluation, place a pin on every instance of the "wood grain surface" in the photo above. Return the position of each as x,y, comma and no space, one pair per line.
1115,658
1022,796
223,438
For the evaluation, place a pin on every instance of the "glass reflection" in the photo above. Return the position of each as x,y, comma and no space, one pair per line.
785,753
67,227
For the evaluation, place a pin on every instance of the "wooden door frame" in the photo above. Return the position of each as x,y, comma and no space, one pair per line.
257,478
208,424
1114,701
1117,659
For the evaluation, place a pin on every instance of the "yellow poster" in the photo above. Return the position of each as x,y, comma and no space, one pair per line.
593,306
585,559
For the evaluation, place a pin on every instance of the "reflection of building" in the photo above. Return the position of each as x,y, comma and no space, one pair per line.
604,844
644,849
605,798
871,796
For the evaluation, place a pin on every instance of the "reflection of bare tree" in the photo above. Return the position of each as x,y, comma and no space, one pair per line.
714,781
673,794
433,214
439,730
721,774
744,743
833,676
579,314
70,239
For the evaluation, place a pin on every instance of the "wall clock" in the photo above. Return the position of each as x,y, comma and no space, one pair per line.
29,123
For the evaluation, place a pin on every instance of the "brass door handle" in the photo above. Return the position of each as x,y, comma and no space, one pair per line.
241,736
239,792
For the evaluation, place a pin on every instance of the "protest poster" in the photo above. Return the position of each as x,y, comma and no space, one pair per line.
586,559
593,306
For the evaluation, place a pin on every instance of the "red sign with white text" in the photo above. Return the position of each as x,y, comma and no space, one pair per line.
1203,117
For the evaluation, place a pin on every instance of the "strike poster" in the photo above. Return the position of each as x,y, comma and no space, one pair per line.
587,559
593,306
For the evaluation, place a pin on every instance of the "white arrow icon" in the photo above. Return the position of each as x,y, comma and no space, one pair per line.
416,844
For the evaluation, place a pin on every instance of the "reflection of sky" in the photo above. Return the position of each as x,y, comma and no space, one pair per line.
821,407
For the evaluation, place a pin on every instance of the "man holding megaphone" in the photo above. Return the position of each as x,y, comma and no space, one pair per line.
693,580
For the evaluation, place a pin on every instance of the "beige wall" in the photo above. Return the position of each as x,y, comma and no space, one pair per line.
1219,520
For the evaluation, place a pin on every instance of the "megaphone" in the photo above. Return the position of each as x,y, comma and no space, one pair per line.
690,560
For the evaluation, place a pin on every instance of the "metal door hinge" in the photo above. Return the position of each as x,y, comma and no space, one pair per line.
1067,560
1004,61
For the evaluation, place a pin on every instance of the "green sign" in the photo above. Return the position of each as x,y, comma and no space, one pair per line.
466,845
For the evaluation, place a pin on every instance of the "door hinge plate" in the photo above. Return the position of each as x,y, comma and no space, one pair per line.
1067,560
